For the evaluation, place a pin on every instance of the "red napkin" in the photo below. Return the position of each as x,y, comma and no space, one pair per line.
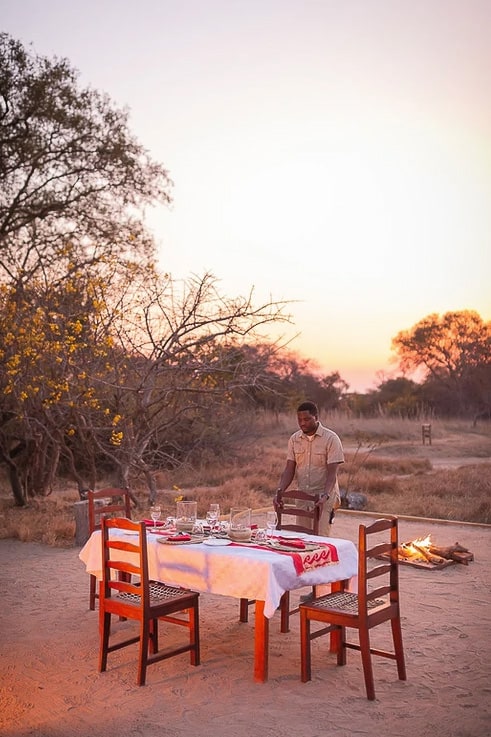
151,523
179,538
291,542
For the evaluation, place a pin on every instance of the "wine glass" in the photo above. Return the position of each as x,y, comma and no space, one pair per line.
212,516
155,513
170,524
260,538
271,522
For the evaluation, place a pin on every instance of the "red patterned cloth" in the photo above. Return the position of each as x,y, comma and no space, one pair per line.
325,554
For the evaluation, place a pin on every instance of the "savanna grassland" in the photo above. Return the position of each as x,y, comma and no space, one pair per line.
385,460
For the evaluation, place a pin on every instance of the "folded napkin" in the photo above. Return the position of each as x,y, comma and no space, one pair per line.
151,523
179,538
292,542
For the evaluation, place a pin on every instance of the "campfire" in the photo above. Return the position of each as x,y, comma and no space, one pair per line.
423,553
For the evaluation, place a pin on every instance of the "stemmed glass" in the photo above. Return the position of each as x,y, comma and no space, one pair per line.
271,522
155,513
260,538
212,516
170,524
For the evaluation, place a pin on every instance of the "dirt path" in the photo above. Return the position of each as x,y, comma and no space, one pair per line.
452,451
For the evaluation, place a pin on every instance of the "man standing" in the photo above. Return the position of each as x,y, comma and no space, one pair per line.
314,453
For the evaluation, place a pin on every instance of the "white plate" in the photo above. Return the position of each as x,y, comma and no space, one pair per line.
216,541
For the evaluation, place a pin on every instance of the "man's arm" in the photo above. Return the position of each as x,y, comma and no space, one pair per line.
331,476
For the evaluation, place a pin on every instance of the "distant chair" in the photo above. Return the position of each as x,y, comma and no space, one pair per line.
108,502
361,611
426,433
144,600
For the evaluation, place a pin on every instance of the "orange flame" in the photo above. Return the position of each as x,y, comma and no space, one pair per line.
411,551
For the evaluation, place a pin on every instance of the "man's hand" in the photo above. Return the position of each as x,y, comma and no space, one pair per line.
321,500
278,500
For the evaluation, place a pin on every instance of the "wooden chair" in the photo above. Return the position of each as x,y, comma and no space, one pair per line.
363,610
312,516
144,600
291,507
119,505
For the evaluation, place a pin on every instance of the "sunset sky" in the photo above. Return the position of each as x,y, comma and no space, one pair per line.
336,153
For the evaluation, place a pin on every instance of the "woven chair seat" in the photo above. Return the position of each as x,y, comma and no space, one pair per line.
159,592
343,601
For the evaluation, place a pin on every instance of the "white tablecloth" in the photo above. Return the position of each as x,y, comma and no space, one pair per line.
241,572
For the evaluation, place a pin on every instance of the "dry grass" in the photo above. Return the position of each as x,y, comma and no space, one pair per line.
385,460
49,520
454,494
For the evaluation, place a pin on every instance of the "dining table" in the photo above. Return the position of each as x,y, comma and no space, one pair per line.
245,571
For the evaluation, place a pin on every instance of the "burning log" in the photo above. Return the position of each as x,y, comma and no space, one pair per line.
433,558
453,552
423,553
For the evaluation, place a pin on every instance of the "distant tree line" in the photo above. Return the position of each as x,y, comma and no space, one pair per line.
109,367
452,353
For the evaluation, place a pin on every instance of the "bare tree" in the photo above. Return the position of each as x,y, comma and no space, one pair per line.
178,372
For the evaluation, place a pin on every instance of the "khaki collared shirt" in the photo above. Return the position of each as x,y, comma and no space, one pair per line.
312,457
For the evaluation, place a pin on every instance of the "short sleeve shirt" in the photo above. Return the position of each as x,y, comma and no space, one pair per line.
313,456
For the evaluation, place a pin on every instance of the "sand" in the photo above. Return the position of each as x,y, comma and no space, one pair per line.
49,644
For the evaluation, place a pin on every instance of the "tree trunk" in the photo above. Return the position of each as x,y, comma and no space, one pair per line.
16,485
150,479
123,483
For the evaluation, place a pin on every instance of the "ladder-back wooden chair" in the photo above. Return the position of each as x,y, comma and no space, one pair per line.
376,601
310,517
306,520
134,596
110,502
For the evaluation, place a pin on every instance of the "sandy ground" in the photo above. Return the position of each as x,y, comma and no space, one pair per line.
50,685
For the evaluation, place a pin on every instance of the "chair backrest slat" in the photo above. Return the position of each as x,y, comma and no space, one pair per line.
379,571
379,549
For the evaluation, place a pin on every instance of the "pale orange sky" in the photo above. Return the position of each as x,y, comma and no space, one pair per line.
333,153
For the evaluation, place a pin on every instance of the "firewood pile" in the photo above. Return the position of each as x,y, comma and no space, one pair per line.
423,553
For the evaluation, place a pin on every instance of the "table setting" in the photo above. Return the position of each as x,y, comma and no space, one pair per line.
232,557
186,528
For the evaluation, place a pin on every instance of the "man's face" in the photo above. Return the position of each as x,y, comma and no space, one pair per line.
307,422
